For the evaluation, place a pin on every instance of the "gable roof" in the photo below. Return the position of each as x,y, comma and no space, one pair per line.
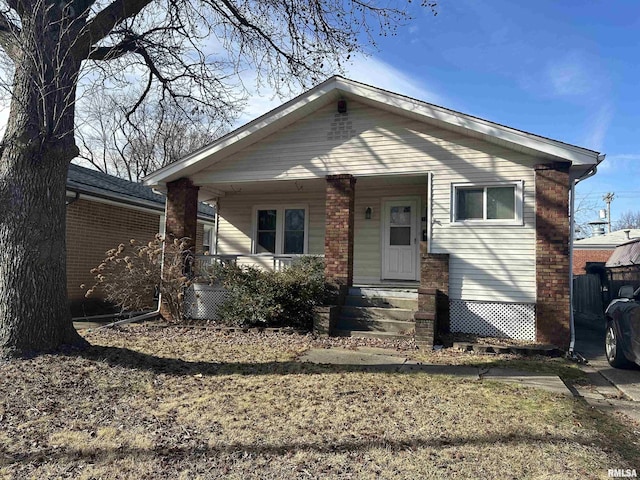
608,241
581,159
94,183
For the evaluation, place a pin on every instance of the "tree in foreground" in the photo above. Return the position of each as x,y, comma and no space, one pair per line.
188,53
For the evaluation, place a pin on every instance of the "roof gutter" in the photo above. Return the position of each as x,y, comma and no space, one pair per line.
590,173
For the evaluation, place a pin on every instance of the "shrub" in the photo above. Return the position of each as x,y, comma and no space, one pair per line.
272,299
129,276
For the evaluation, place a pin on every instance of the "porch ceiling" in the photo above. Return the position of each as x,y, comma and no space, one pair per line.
211,191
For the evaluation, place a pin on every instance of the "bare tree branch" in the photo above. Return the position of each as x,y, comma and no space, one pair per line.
9,33
100,26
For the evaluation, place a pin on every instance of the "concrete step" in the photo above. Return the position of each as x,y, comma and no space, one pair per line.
376,325
382,302
370,334
384,292
377,313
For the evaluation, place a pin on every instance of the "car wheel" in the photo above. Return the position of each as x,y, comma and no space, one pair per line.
613,349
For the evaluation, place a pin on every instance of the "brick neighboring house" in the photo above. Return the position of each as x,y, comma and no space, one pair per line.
104,211
470,215
596,250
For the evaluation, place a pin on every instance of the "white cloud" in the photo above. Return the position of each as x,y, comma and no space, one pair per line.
369,70
597,126
373,71
624,162
570,75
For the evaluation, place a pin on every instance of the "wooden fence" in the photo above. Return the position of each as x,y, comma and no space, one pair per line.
587,294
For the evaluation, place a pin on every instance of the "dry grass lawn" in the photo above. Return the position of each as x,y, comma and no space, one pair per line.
170,403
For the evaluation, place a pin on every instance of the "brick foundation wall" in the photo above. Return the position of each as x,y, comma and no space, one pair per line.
582,257
552,254
338,240
182,209
92,229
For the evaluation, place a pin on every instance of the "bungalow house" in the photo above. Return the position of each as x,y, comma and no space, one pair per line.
393,191
104,211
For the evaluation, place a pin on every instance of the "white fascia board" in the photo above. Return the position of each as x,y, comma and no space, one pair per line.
155,210
594,246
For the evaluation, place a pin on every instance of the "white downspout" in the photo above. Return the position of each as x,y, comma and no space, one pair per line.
429,211
572,220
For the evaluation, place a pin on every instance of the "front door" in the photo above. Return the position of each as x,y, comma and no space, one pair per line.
400,239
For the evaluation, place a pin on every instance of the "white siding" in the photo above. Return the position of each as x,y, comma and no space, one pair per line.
235,229
367,264
491,263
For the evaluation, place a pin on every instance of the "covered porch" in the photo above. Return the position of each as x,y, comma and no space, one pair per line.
367,228
372,231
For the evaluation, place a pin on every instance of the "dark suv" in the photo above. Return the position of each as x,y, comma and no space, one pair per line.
622,340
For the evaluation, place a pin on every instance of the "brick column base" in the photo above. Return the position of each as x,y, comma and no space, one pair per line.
432,317
426,318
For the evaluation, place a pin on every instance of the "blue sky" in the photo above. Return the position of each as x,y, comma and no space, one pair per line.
566,69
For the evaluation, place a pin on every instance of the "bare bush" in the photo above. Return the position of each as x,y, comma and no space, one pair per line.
132,274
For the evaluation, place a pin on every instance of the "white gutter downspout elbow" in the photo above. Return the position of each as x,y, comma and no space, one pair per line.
572,224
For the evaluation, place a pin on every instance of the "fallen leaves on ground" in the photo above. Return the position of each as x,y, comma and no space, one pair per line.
167,403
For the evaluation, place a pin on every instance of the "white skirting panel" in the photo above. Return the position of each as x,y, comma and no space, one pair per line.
494,319
201,302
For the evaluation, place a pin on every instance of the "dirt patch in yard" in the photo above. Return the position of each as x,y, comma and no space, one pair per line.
184,403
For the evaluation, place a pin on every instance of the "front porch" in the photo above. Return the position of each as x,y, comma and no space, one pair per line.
368,230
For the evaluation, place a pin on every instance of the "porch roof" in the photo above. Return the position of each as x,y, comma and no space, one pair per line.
335,88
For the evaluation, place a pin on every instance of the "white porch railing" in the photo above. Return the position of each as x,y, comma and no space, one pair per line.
263,260
202,301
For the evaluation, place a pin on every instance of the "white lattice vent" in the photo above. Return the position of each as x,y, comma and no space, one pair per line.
201,302
494,319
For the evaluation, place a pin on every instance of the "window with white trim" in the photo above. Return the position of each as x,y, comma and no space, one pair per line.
495,203
207,238
280,230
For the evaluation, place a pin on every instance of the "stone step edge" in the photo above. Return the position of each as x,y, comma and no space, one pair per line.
549,351
369,334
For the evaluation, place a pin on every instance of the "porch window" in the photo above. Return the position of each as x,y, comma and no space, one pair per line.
207,239
281,230
267,221
493,203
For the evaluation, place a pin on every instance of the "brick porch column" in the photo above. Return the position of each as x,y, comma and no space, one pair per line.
552,254
182,210
338,237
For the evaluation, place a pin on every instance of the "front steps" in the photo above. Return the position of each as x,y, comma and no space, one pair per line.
374,312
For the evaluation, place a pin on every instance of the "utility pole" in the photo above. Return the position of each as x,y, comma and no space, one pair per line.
608,198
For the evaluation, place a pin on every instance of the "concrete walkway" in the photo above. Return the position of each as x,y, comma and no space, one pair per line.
378,359
600,393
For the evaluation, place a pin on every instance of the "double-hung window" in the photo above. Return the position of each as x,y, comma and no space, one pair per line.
496,203
281,230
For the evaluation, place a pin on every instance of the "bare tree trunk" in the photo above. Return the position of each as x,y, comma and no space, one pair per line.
34,312
34,158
